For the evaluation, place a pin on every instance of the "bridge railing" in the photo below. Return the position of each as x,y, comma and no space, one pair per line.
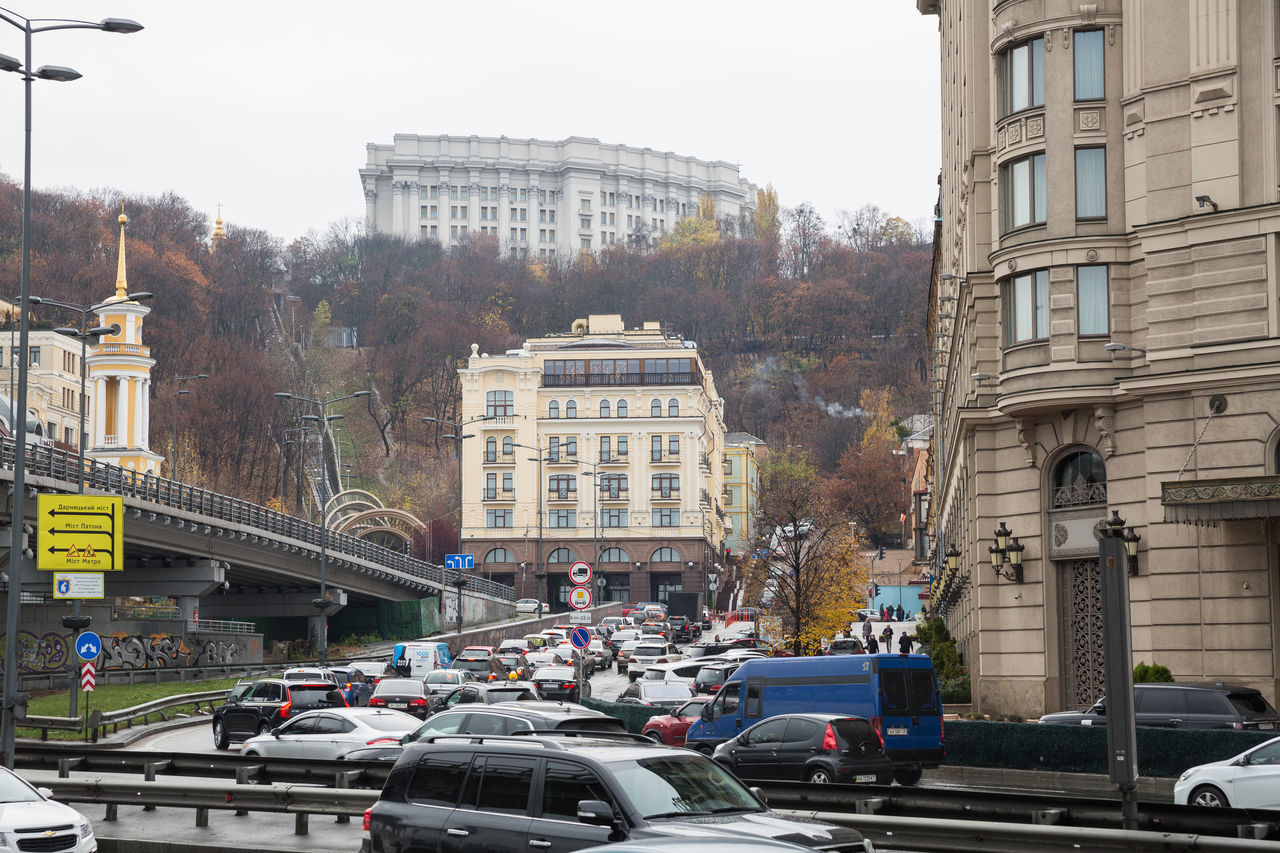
61,465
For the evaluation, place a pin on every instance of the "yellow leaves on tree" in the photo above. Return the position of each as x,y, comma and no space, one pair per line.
881,432
707,207
768,220
692,232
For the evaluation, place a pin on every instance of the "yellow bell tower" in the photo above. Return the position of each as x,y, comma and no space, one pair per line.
120,373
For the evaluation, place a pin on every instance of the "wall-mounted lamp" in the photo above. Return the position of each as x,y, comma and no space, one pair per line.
982,377
1131,541
1204,200
949,277
952,559
1115,347
1006,548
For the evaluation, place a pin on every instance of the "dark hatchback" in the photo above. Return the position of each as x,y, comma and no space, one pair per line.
266,704
1185,706
562,794
559,682
816,748
410,695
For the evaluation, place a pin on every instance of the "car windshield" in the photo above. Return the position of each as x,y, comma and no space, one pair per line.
513,694
392,722
309,675
690,709
1250,703
509,660
439,677
555,673
472,664
644,651
316,695
398,685
709,675
14,790
678,785
667,690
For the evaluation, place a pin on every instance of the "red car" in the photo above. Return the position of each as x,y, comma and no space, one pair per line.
479,652
670,729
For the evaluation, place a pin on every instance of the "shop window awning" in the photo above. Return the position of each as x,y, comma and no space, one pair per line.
1194,501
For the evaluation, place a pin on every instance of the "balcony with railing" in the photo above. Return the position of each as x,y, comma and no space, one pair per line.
704,498
499,495
587,380
704,462
562,495
614,494
562,458
614,458
665,494
664,456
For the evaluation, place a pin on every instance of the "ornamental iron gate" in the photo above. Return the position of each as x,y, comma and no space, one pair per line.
1082,674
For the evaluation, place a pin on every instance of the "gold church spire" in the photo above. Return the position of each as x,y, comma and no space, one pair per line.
122,286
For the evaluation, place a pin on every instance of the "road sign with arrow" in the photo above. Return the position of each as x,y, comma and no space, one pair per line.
80,533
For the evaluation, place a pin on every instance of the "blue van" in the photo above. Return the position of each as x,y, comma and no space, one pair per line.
898,694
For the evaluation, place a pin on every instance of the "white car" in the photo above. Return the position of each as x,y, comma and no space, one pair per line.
331,733
31,820
1250,780
442,681
303,673
682,670
528,606
648,653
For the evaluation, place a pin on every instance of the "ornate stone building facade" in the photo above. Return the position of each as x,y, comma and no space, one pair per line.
541,199
1105,311
630,432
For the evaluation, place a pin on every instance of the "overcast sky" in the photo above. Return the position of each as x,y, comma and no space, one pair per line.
267,106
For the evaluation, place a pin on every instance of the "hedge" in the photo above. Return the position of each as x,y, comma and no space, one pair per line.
1083,749
633,716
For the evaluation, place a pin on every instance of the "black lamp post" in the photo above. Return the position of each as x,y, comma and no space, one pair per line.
323,602
9,712
178,392
1006,547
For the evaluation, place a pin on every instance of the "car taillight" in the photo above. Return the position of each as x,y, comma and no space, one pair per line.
375,742
662,660
364,825
417,701
829,740
1237,725
285,709
376,680
378,702
876,723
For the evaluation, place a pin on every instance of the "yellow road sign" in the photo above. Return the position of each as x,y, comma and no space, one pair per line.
80,533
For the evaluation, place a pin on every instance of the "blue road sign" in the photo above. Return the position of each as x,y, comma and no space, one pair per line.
459,561
580,637
88,646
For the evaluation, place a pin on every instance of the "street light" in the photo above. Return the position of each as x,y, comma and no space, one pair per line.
594,474
177,469
457,437
57,73
539,573
322,603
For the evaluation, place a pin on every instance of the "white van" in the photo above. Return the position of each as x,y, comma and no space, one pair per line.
415,660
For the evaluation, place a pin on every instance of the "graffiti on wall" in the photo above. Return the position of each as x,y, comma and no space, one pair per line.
52,651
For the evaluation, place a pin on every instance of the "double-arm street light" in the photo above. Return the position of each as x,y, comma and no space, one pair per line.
322,603
539,574
594,474
178,392
59,73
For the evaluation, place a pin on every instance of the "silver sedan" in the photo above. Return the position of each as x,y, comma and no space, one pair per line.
331,733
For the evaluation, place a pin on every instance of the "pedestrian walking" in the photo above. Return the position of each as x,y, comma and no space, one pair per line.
904,643
901,614
867,630
873,648
887,636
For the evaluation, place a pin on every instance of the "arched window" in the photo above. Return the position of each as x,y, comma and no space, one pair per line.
655,409
571,409
614,555
491,449
561,555
553,409
673,408
1079,478
500,404
508,446
613,486
499,555
604,408
665,555
622,408
666,485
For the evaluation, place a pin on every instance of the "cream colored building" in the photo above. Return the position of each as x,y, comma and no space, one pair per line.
1107,319
53,382
635,410
741,491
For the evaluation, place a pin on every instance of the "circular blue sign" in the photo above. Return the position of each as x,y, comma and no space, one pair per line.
580,637
88,646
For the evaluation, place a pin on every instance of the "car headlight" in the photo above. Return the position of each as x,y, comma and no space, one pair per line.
86,830
1187,774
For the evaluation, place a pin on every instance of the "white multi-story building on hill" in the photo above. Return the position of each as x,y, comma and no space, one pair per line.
540,198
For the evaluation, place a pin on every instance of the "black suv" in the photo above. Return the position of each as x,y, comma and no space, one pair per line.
1185,706
502,719
681,630
267,704
564,792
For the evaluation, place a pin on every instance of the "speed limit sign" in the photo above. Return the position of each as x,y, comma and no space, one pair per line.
580,573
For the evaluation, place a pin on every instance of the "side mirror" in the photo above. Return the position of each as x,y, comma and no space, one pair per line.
758,793
47,793
275,732
706,713
595,812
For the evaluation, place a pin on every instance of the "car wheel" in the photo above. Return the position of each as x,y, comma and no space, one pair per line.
586,691
221,740
264,727
907,775
819,776
705,749
1208,796
654,736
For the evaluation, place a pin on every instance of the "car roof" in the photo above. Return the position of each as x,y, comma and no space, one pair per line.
598,746
1217,687
817,716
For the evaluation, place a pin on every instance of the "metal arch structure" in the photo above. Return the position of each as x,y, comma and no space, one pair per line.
382,525
348,503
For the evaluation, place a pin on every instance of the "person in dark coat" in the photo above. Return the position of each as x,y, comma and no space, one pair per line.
904,643
887,637
873,648
901,613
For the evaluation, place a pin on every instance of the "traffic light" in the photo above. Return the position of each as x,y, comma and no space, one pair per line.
881,557
875,590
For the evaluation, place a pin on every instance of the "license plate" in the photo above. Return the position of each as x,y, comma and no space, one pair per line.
1266,725
865,777
397,704
896,730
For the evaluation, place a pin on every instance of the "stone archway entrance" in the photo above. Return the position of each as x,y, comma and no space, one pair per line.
1080,606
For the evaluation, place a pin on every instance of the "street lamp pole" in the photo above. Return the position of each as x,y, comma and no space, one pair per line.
178,392
322,603
594,473
539,574
29,26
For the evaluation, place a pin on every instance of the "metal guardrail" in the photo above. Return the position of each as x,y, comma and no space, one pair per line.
62,465
59,678
99,721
